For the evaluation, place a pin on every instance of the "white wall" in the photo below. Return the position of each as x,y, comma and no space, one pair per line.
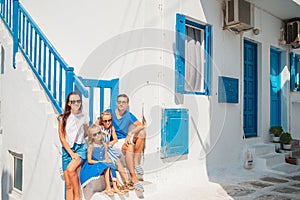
30,129
135,41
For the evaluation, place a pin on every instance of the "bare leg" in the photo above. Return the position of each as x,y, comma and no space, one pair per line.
106,177
73,178
129,162
69,188
122,172
139,147
107,182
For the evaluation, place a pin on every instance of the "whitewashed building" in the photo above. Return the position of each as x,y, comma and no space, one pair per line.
210,76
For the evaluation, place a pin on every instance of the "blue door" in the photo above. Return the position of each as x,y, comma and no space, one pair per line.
250,89
275,89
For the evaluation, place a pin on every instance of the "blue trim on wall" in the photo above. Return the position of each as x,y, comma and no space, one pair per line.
275,87
180,53
293,70
250,89
181,23
208,58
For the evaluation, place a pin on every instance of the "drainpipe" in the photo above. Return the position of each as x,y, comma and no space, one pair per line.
242,83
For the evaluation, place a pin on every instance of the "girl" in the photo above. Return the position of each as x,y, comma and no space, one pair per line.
110,138
98,162
72,127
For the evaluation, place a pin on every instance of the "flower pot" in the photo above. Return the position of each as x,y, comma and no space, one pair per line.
275,139
286,146
291,160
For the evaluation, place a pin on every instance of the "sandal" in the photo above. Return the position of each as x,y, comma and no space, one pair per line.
138,187
109,192
129,185
118,191
122,188
139,170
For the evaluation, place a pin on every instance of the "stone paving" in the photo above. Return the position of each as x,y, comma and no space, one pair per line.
274,187
232,182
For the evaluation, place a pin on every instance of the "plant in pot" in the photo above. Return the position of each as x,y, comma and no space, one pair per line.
297,86
276,131
285,140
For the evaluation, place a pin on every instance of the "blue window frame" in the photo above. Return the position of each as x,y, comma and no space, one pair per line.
295,71
193,56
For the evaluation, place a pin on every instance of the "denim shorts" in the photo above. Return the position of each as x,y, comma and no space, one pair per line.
80,149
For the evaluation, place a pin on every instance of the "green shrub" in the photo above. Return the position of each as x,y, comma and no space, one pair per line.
285,138
276,130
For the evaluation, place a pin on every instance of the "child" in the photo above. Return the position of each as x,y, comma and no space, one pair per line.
98,162
72,128
110,138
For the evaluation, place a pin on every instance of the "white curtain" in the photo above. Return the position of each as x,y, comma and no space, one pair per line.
194,60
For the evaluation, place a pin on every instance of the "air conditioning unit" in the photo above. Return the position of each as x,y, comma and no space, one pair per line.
238,15
293,32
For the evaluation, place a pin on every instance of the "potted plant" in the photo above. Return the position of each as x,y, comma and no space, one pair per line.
285,140
276,131
297,86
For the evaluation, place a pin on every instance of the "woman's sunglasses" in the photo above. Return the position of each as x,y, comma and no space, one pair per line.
106,121
75,101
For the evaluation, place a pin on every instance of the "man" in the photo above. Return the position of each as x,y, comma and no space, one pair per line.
131,142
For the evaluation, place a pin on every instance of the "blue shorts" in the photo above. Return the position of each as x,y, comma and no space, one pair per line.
80,149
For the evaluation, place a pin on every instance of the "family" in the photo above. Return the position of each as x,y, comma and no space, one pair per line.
109,138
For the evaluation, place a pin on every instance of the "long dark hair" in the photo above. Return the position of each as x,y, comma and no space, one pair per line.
67,110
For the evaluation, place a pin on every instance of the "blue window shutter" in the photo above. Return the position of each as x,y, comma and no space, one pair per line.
175,132
180,53
293,71
207,59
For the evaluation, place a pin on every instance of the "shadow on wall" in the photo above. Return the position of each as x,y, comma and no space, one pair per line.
5,182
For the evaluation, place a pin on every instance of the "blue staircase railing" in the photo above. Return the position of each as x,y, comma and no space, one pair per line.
48,66
112,85
50,69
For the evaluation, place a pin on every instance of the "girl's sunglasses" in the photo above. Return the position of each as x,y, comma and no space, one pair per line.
95,134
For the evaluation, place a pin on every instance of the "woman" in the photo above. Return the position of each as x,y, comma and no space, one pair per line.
72,128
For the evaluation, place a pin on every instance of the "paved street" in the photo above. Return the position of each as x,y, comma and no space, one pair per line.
226,183
242,184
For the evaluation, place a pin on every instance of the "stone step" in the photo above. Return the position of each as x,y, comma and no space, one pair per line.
263,149
286,169
94,192
298,159
295,151
272,159
295,143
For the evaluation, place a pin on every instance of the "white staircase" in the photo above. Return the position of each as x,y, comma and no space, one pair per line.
266,158
33,122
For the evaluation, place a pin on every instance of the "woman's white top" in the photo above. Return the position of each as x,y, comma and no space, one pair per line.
74,128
